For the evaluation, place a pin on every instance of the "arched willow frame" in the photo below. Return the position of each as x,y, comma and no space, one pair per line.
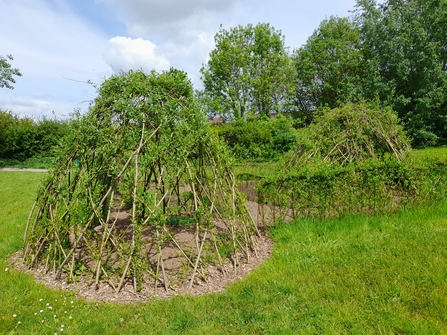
137,172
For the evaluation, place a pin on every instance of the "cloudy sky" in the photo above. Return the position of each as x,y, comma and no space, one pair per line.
59,45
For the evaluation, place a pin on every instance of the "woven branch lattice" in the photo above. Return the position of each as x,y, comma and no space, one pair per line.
138,173
351,134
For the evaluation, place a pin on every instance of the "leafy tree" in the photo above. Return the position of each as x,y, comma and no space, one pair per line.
7,72
329,67
248,72
404,43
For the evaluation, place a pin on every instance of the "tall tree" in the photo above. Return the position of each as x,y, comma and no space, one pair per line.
405,44
248,72
329,67
7,72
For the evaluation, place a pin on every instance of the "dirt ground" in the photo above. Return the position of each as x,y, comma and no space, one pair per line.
216,280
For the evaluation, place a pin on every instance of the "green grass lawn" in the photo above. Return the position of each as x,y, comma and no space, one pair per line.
356,275
435,153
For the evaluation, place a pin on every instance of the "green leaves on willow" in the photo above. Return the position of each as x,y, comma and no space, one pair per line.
140,163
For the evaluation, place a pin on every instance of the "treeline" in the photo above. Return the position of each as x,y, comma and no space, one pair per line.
393,53
22,138
390,54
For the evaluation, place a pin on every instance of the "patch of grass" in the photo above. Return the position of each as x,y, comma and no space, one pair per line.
30,163
258,170
356,275
383,274
17,192
437,154
180,221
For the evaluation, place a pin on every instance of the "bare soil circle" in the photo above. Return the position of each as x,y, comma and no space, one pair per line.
216,280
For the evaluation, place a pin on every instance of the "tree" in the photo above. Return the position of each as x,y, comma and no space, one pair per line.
404,44
7,72
248,72
329,68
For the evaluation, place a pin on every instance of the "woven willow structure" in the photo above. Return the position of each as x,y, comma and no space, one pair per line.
139,175
351,134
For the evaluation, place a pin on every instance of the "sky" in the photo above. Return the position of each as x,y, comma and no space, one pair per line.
62,46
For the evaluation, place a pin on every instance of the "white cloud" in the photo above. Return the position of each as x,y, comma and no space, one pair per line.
41,95
36,108
183,31
126,53
148,15
49,44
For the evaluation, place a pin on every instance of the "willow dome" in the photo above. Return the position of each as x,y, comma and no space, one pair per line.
141,191
351,134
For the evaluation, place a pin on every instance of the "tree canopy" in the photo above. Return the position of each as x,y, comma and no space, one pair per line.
248,72
328,67
7,72
405,48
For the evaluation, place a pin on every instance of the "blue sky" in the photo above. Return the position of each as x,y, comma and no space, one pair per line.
59,45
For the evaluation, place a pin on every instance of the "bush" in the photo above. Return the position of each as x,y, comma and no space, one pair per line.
259,138
23,138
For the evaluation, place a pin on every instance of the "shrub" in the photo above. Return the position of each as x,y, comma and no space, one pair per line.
259,138
22,137
366,188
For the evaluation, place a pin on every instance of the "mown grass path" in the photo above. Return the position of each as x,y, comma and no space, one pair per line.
356,275
23,170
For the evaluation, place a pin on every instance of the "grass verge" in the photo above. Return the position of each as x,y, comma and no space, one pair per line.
30,163
356,275
437,154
